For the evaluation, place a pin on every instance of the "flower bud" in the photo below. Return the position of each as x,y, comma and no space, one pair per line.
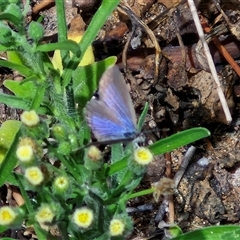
34,175
61,186
25,153
36,31
59,132
45,214
93,158
30,118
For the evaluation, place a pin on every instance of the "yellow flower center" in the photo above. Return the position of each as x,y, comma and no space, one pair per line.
83,217
44,214
34,174
61,182
7,215
116,227
143,155
30,118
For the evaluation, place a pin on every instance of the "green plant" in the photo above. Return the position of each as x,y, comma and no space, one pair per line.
212,233
75,189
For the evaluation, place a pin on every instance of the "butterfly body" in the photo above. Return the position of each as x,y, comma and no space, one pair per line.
111,116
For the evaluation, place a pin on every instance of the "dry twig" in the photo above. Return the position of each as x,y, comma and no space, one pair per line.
210,61
221,48
136,21
43,4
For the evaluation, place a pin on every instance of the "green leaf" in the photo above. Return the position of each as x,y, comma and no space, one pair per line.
11,18
125,181
178,140
117,152
118,166
9,161
30,208
85,80
142,118
14,57
233,235
61,21
14,102
15,11
20,180
98,20
38,97
68,45
24,90
62,31
6,36
18,67
140,193
175,230
20,103
3,48
8,238
3,229
209,233
8,131
12,180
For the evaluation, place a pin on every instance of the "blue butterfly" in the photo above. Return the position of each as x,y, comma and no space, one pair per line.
111,115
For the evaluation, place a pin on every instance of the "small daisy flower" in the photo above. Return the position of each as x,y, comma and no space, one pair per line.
30,118
27,141
116,227
45,214
34,175
83,217
25,153
60,184
94,153
143,156
7,216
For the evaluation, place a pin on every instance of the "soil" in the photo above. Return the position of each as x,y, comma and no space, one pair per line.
181,94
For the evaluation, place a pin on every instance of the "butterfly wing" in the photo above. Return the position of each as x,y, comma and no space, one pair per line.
112,116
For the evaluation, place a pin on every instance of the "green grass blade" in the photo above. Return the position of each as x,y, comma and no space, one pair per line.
20,103
20,68
98,20
9,161
208,233
3,229
142,118
11,18
67,45
178,140
39,231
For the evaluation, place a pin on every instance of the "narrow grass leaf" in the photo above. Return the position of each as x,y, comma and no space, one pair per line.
178,140
208,233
